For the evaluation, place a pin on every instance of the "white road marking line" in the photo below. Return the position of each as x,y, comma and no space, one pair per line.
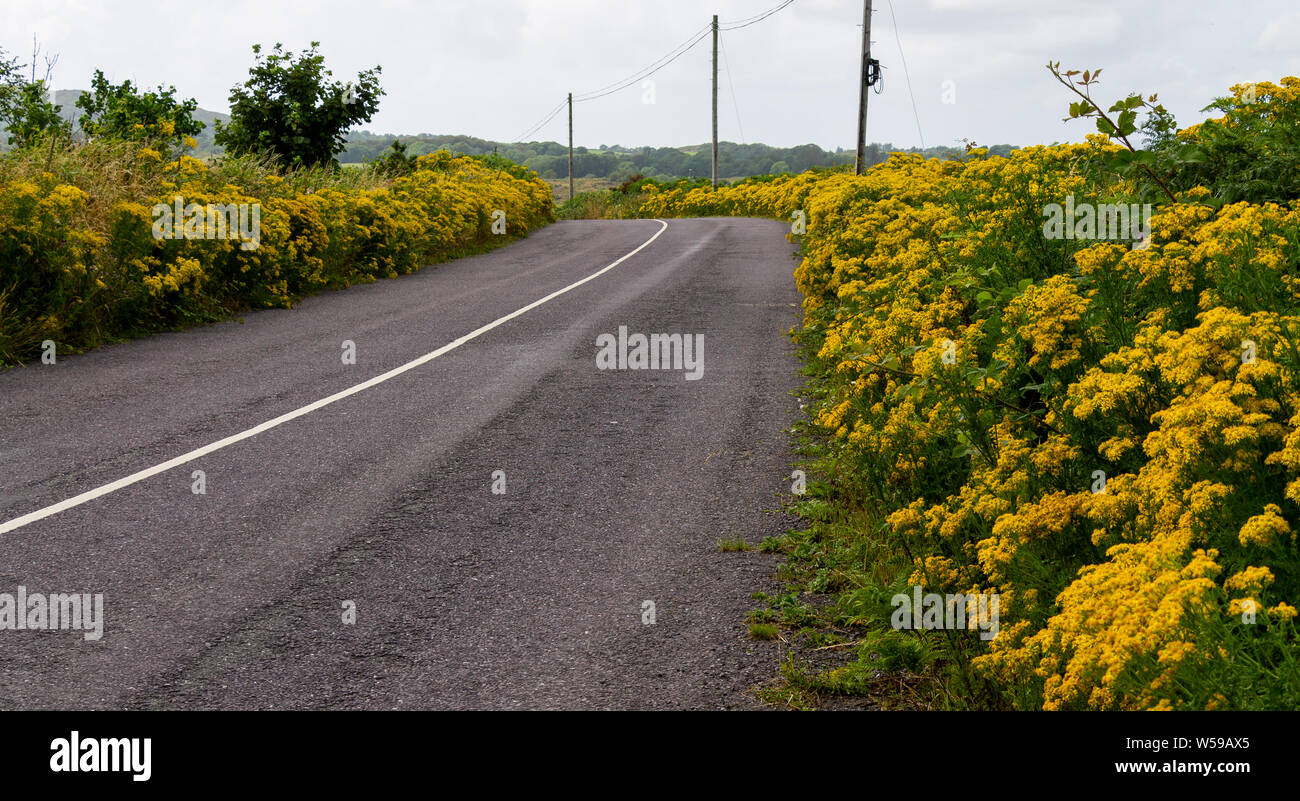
40,514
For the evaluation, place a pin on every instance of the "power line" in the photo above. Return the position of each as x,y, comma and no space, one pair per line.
646,72
731,26
550,115
907,76
727,65
635,77
655,66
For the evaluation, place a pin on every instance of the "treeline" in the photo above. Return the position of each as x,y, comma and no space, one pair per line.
615,163
612,163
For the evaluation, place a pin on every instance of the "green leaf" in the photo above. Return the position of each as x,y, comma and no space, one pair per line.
1127,122
1145,157
1192,154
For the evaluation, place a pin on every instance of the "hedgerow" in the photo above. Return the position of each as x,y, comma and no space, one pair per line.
1104,434
81,262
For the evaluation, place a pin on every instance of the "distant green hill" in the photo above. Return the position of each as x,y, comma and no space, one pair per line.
611,163
617,163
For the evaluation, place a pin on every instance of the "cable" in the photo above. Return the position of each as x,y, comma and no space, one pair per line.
675,54
648,71
550,115
727,66
635,77
731,26
663,61
638,73
906,75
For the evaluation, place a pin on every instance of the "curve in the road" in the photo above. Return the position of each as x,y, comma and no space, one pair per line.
126,481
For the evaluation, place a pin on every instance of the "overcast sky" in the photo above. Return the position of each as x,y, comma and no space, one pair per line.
493,68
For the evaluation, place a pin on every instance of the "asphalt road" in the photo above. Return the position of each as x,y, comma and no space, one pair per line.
619,485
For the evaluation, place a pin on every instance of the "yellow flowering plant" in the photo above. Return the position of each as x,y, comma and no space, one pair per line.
1103,431
116,241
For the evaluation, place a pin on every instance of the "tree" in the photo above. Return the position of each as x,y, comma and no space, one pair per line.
122,112
395,162
29,116
25,108
10,80
290,108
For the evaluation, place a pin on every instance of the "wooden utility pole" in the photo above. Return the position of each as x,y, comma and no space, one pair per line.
570,145
715,101
862,88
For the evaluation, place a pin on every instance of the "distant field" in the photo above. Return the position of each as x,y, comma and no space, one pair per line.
560,186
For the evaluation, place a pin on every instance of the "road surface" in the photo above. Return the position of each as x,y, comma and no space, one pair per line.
495,516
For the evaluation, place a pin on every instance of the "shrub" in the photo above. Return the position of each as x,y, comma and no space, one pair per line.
1105,435
80,264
